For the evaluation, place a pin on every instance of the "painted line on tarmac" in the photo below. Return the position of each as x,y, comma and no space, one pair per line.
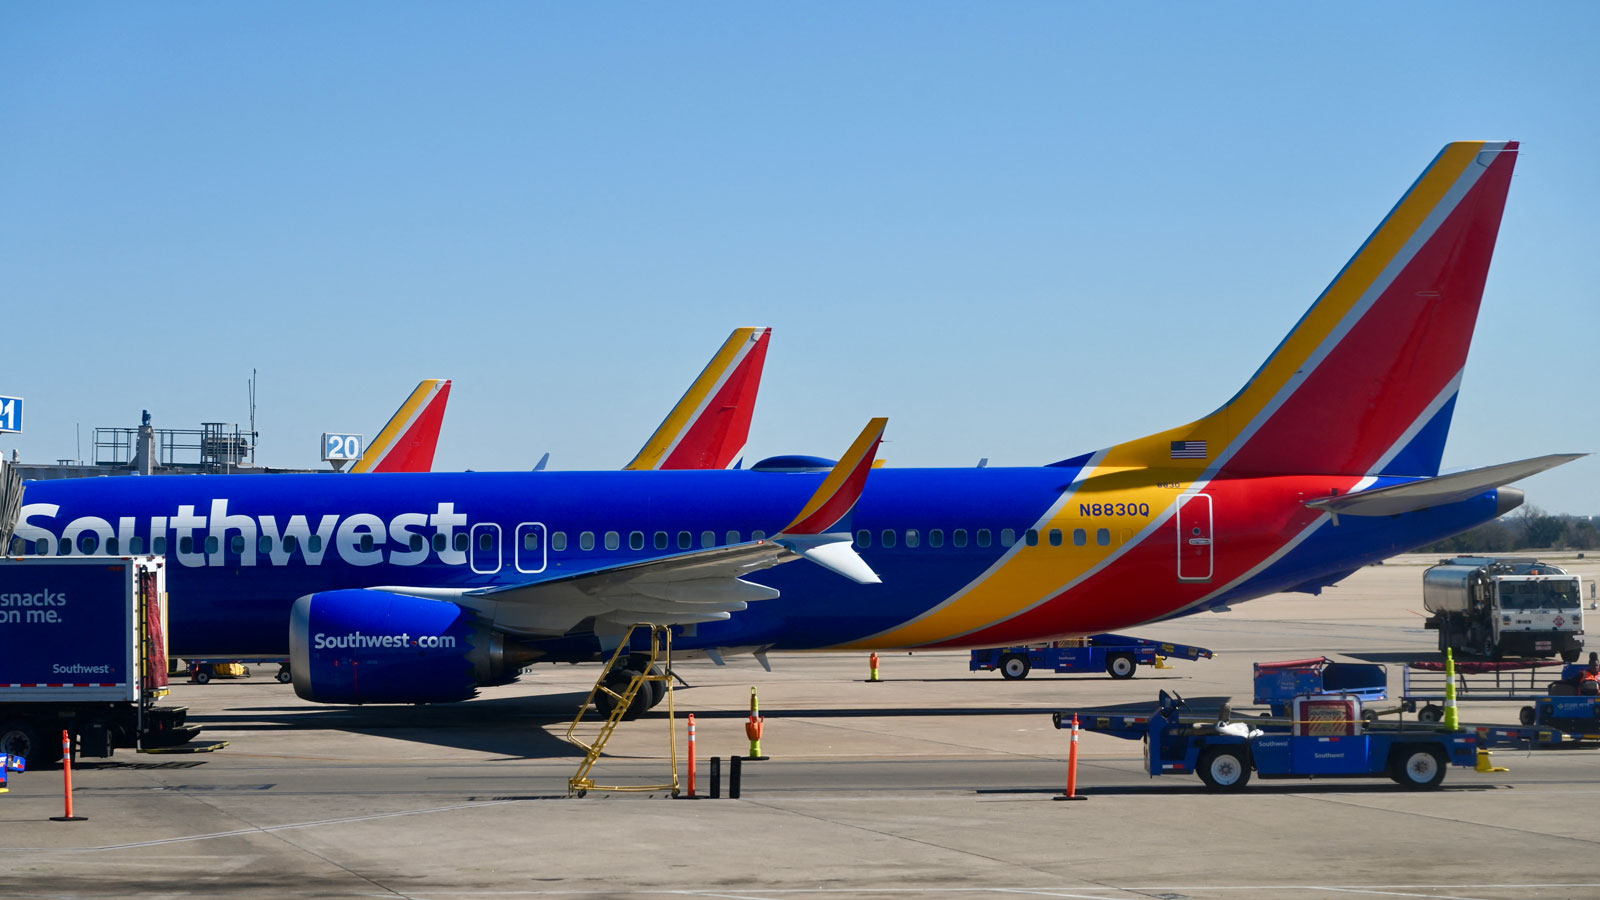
268,829
1083,892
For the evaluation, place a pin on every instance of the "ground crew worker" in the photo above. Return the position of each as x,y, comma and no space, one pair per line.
1589,679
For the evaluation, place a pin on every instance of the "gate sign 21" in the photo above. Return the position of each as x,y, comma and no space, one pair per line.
11,414
341,447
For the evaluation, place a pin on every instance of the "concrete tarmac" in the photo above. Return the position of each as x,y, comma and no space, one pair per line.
935,783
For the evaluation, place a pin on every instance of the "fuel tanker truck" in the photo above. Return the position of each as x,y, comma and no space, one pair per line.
1504,606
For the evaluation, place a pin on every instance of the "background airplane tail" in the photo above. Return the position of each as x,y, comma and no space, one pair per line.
708,427
409,438
1366,382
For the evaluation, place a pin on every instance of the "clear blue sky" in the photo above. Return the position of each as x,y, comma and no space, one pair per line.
1019,230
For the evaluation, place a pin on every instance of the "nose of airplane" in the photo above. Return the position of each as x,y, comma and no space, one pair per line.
1509,498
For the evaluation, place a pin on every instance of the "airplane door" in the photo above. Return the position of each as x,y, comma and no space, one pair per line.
1194,537
485,548
529,549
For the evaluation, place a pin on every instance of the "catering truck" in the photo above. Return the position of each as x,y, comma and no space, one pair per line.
1504,606
82,650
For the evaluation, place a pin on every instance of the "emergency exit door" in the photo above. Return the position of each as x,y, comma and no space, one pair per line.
1194,537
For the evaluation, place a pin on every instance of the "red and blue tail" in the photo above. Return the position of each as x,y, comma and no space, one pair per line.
1366,382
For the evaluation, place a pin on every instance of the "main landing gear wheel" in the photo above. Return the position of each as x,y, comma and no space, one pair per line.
1014,666
618,682
1121,665
653,691
1224,769
1418,768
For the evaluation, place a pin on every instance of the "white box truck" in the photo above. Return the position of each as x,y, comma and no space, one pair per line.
1504,606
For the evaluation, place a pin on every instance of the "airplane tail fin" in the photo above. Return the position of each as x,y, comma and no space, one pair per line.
708,427
1366,382
408,440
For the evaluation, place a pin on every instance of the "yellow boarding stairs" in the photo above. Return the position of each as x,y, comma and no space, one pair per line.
660,649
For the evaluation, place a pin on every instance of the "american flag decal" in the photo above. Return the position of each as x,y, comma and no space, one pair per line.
1188,449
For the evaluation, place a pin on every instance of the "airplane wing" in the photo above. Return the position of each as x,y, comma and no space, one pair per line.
708,427
689,587
407,441
1438,491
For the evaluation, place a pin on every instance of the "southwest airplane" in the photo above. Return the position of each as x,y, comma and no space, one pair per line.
422,587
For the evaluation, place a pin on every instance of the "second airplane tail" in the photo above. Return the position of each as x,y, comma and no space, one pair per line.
1366,382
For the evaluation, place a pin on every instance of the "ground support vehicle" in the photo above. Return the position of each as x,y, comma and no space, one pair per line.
1118,655
1504,606
201,671
85,652
1277,684
1326,738
1423,683
1566,709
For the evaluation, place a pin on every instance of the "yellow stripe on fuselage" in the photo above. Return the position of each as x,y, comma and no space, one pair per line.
396,426
682,416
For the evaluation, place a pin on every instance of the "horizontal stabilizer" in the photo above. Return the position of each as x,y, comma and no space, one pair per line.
1440,491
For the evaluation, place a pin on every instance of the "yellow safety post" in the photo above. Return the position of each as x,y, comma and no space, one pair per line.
1452,718
753,728
1485,764
872,663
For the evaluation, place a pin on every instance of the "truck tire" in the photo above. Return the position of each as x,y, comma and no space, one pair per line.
1430,714
202,675
1418,767
20,737
1014,666
1224,768
1571,656
1121,665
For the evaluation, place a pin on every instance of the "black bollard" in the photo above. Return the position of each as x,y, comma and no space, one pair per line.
716,777
733,776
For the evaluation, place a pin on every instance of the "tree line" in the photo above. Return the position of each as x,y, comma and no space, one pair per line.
1529,528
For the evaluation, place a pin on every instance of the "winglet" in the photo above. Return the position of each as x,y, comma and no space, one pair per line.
843,486
708,427
407,441
811,533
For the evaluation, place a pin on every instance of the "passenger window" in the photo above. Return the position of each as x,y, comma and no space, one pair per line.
88,542
863,538
558,540
887,538
264,544
1103,537
685,540
1055,537
111,546
485,541
292,543
1008,536
366,543
416,542
18,546
42,547
983,537
64,548
158,546
731,538
439,543
613,540
236,544
959,537
212,544
661,540
1079,537
758,535
315,543
936,537
1031,536
136,545
636,540
530,540
913,538
185,544
585,541
708,538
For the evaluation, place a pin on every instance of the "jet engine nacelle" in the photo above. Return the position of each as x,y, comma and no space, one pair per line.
363,646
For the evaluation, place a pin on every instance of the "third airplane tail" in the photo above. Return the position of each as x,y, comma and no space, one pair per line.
1366,382
709,426
408,439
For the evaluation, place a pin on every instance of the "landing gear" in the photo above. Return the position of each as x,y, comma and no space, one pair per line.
653,691
618,682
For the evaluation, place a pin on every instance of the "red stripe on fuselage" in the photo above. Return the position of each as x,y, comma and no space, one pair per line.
1252,519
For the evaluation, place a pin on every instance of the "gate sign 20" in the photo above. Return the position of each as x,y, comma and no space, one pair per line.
341,447
11,414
